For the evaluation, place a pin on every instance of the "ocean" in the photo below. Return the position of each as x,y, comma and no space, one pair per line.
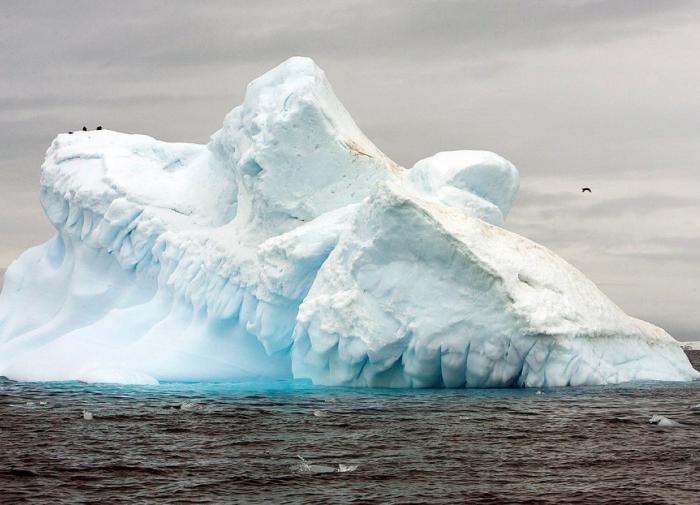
292,442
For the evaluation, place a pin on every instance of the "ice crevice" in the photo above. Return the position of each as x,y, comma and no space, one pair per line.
290,246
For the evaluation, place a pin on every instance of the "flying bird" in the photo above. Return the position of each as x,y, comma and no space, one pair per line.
583,190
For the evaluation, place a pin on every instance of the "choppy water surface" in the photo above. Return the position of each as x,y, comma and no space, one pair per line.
239,443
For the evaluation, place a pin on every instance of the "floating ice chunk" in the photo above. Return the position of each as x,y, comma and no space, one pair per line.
320,413
291,246
87,415
306,467
663,421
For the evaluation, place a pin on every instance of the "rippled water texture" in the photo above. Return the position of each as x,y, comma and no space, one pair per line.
243,443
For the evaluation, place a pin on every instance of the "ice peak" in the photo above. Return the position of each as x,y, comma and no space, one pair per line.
295,72
295,149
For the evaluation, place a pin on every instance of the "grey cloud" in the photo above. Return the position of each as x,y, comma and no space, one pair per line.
643,205
128,36
671,249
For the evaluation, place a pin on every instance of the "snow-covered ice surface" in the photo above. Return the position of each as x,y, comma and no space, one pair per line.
290,246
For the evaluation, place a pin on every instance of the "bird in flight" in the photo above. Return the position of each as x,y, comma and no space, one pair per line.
583,190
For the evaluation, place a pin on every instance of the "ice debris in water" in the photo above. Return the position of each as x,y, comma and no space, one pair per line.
187,406
290,246
320,413
87,415
695,409
306,467
662,421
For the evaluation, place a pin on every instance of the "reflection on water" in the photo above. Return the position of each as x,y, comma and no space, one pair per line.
267,443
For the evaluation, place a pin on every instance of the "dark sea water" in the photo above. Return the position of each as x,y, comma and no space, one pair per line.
239,443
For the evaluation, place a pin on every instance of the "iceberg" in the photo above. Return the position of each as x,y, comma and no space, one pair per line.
690,346
290,246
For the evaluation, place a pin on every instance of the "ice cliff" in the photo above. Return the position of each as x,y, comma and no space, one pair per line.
290,246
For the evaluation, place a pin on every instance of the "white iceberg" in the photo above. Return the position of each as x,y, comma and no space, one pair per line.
690,346
290,246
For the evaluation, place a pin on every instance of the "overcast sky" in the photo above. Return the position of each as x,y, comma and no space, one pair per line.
574,93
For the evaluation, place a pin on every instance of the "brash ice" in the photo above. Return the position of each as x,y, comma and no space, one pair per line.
290,246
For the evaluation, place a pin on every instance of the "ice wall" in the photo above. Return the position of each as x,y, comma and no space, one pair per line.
290,246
